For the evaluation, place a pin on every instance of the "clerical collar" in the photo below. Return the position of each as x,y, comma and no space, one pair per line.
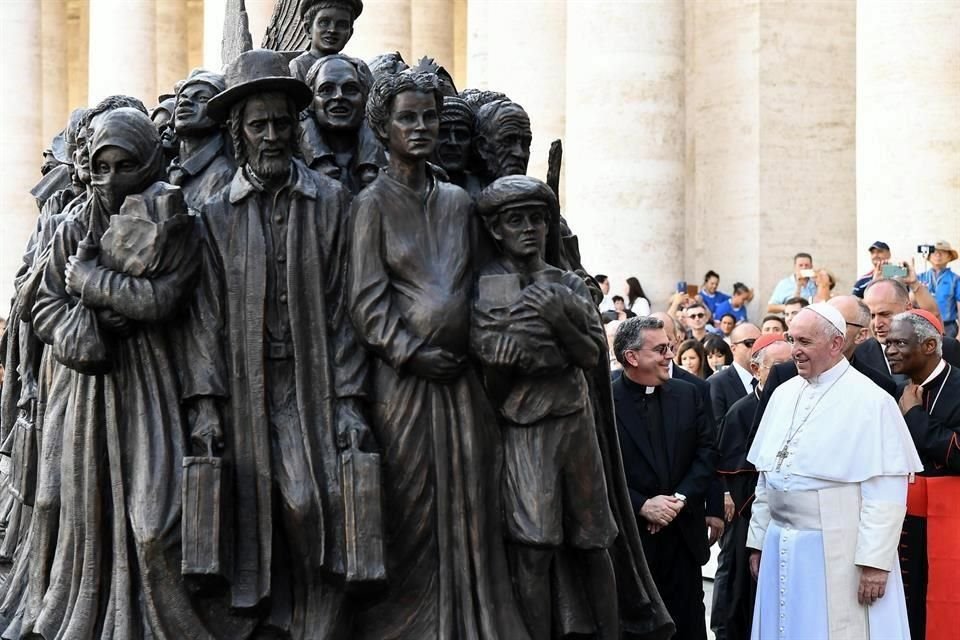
936,372
831,374
637,388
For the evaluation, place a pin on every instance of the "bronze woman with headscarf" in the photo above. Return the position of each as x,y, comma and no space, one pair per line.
116,274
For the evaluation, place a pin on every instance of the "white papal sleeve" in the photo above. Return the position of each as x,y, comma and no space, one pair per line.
883,506
760,515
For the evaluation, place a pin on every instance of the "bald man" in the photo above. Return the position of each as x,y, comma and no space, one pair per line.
736,381
887,298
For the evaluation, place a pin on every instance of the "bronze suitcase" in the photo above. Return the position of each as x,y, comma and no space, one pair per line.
363,518
201,516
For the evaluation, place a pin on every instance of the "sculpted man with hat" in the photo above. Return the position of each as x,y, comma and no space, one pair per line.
455,141
202,168
275,371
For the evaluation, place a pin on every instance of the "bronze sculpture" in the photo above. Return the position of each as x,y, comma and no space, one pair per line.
118,573
455,140
409,290
274,355
329,23
201,167
192,431
334,136
502,140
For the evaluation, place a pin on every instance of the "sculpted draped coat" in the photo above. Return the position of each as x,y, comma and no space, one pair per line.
227,355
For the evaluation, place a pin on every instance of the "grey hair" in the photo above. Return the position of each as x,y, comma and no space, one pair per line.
901,290
630,334
922,329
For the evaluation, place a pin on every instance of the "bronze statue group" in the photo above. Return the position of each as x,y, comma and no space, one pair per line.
305,354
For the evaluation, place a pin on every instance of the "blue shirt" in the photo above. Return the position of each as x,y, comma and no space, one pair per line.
786,287
713,301
727,308
860,286
944,287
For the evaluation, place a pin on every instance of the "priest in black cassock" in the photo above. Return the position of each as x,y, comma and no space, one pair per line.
669,458
740,479
931,531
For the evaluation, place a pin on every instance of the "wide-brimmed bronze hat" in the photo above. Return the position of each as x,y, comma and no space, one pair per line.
944,246
257,71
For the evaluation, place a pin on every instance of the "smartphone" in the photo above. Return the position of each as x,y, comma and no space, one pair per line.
807,273
926,249
681,286
692,290
894,271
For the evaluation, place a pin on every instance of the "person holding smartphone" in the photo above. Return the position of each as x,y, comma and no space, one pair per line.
944,284
798,285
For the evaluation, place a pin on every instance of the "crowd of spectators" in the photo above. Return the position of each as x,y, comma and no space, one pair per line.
711,315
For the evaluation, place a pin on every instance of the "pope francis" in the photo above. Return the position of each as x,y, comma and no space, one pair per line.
834,457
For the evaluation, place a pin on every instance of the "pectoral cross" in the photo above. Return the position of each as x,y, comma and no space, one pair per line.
781,456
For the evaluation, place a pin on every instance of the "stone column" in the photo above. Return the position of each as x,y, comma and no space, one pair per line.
172,44
478,45
78,54
195,28
384,26
53,29
460,34
526,56
908,125
21,116
123,49
771,166
432,31
213,14
625,139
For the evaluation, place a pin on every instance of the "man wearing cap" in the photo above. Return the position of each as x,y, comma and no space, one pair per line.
335,138
202,168
931,532
560,434
455,140
944,284
834,455
879,255
273,352
329,23
732,608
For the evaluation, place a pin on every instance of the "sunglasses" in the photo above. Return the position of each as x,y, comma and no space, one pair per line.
697,315
748,343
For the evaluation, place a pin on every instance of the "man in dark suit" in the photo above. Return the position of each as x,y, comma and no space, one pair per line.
669,455
727,387
857,316
714,501
733,605
734,382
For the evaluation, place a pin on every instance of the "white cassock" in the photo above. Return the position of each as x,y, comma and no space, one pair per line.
835,500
